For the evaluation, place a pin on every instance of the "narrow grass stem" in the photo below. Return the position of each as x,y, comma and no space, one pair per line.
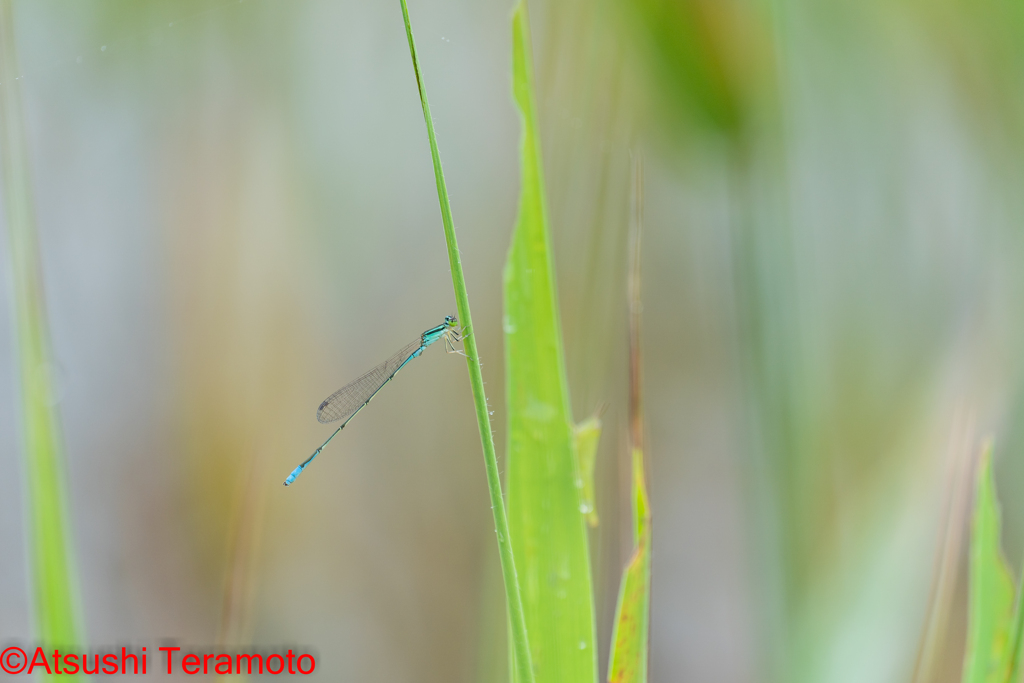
517,619
51,561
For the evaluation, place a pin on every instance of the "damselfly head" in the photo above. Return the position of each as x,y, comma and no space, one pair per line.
450,320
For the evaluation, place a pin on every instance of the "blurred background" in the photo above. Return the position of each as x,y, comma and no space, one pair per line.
237,215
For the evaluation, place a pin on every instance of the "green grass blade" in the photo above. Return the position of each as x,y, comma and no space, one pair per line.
517,620
632,615
52,568
1016,638
588,436
991,587
548,532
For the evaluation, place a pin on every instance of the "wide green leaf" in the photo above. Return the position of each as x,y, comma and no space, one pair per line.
987,659
548,534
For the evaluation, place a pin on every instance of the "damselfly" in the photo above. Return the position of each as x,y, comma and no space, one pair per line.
346,402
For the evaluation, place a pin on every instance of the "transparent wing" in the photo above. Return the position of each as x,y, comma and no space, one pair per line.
344,402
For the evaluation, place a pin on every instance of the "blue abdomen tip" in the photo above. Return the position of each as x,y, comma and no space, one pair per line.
293,476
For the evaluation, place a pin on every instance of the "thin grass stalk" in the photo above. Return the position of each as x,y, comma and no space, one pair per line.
240,579
945,570
636,406
517,619
55,598
630,635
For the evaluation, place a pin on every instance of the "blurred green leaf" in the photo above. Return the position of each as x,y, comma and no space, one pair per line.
588,435
991,587
632,615
55,597
548,535
709,57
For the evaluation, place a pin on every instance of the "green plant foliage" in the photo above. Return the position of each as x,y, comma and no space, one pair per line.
632,615
588,435
709,56
548,534
517,621
55,598
992,622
